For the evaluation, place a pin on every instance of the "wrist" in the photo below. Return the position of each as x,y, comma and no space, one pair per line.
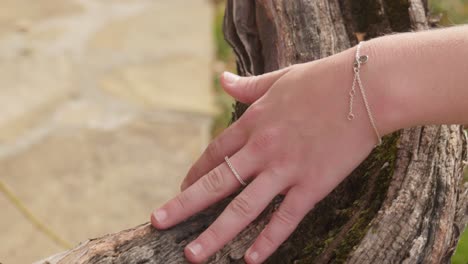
381,112
381,87
410,79
385,97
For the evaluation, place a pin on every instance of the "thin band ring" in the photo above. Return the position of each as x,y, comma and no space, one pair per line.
238,177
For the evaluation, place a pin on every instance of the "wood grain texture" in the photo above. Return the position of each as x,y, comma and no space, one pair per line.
422,214
405,203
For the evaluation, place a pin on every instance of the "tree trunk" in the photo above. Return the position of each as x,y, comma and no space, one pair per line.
406,203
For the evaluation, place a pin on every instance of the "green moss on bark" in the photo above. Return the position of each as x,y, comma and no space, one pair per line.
352,205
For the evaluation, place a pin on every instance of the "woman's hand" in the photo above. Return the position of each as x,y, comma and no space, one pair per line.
294,139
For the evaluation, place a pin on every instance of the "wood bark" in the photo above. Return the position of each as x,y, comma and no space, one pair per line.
406,203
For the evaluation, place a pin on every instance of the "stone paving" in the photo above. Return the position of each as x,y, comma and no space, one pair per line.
105,104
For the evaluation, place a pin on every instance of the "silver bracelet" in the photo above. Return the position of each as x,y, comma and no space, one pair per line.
358,61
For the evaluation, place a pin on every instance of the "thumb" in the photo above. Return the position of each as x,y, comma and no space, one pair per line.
250,89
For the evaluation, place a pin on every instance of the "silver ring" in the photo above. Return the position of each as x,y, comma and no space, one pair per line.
234,171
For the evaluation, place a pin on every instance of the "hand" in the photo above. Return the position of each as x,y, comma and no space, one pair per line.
294,139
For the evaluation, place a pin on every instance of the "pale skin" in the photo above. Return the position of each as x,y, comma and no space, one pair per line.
296,140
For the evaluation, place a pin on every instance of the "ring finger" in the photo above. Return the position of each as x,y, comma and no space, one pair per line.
229,142
209,189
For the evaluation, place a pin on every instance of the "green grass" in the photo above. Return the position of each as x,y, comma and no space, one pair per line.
225,61
223,50
453,11
461,254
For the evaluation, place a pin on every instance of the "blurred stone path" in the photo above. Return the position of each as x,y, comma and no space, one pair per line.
104,106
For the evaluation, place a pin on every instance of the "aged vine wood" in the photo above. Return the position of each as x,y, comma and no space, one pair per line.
406,203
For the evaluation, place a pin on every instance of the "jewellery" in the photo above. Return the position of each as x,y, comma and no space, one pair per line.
234,171
358,61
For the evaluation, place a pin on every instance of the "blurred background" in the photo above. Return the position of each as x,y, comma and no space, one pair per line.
105,105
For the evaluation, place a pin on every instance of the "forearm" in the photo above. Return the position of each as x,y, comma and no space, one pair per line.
418,78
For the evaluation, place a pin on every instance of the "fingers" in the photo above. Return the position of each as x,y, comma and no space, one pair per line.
226,144
284,221
209,189
244,89
250,89
237,215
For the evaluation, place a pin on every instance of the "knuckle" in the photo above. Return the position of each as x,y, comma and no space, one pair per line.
265,139
251,87
214,181
287,218
277,174
182,200
212,234
267,241
241,207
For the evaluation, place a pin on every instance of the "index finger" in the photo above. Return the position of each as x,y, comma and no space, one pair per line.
211,188
227,143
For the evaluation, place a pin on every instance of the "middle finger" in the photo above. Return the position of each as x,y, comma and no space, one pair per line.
238,214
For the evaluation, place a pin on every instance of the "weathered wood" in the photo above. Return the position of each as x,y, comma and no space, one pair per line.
405,203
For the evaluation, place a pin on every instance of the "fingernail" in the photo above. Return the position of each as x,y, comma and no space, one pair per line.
160,215
195,248
230,78
254,256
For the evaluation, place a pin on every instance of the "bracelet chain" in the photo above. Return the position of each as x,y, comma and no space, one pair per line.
358,61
